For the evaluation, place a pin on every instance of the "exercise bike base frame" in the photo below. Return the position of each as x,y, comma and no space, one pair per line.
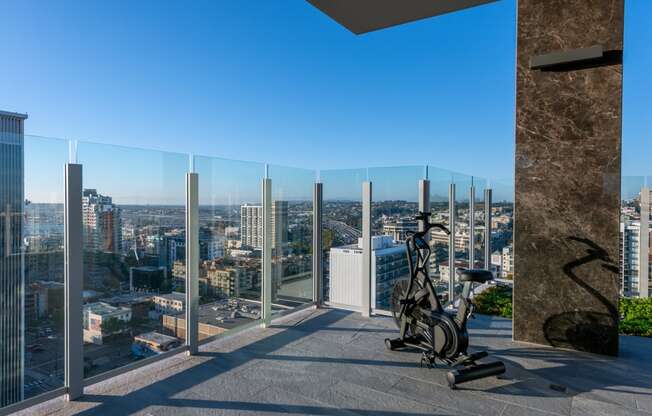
474,372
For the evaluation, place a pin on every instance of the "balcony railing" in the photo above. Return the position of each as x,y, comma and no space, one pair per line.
122,256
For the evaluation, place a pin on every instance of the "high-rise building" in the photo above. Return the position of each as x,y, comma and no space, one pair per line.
251,225
635,261
12,284
102,222
175,249
279,224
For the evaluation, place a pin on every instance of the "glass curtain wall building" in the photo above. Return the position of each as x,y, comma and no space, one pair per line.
12,285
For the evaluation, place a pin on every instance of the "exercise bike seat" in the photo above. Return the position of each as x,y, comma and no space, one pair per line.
476,275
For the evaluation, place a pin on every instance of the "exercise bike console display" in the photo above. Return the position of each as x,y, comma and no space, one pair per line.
425,325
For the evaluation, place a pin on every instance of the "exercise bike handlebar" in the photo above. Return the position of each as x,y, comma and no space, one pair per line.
440,226
425,217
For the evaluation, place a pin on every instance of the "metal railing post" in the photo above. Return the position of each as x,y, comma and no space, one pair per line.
192,262
73,282
424,200
365,304
317,244
487,228
267,253
424,206
451,242
472,227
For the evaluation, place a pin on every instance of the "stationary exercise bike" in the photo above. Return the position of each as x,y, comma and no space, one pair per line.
424,323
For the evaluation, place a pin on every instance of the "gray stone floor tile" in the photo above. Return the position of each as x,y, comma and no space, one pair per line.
586,407
363,400
466,403
332,362
513,410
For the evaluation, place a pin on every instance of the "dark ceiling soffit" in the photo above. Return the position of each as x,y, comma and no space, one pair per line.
362,16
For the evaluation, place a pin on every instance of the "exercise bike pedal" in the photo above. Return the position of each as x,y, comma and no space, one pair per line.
394,344
467,360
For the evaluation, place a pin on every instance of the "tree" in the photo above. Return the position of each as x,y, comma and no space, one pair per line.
113,326
496,300
328,239
636,314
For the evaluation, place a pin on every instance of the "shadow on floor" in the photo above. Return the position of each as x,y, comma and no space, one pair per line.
549,372
532,370
161,393
266,407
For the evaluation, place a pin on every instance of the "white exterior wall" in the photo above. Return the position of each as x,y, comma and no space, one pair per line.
346,270
346,276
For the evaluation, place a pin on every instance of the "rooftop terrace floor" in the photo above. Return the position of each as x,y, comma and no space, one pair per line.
333,362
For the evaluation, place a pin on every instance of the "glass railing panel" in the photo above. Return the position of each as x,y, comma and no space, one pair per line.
502,218
395,205
463,185
230,240
31,265
480,184
292,279
630,187
342,222
440,180
495,297
134,254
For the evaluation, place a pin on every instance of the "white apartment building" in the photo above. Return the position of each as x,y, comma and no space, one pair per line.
398,229
169,302
444,268
438,236
96,314
507,267
388,264
251,225
635,270
635,259
497,263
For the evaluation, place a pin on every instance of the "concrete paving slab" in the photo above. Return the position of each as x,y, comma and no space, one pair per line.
333,362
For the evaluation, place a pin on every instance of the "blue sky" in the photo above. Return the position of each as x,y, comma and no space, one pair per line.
279,82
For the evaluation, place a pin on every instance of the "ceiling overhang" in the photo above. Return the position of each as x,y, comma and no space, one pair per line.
362,16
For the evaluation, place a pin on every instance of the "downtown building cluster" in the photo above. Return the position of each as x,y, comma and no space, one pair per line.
133,274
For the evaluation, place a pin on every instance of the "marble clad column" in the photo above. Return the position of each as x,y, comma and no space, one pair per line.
568,157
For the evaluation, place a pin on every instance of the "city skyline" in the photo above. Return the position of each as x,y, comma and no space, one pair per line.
151,177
